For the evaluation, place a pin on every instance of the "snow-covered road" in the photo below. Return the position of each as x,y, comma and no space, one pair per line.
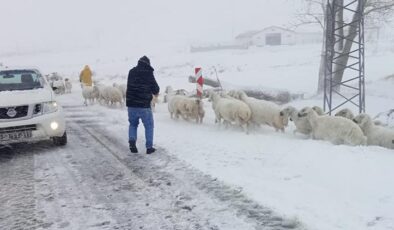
95,183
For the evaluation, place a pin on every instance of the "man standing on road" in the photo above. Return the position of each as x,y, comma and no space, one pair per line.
141,86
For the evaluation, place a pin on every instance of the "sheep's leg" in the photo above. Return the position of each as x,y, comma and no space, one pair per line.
185,117
218,119
249,124
313,135
245,127
337,141
226,124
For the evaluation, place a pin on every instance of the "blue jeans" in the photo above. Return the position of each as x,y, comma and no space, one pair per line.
146,116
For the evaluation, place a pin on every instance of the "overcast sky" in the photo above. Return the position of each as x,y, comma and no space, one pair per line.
62,24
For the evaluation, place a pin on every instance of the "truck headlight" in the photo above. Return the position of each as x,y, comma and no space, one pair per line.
54,125
49,107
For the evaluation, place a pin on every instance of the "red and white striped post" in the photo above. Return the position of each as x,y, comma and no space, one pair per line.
200,81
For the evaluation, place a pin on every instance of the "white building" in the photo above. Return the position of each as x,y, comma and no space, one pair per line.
273,35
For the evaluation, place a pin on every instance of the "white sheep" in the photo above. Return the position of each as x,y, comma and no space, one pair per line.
59,86
89,94
122,88
99,93
376,135
346,113
265,112
170,91
337,130
111,95
188,108
175,106
301,123
230,111
196,110
68,85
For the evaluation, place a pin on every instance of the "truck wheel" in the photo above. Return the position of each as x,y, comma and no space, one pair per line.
60,141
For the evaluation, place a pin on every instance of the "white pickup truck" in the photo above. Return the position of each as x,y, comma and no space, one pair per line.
28,109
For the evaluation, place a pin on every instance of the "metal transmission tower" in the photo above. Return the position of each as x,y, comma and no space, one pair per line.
344,54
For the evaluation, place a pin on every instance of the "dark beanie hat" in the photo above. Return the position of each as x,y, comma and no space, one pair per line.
145,60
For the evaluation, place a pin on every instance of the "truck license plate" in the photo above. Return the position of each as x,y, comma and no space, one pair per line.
15,136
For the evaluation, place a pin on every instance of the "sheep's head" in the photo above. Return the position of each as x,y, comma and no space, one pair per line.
223,94
235,94
199,102
288,111
318,110
211,95
363,120
242,95
345,113
306,112
231,93
284,118
169,89
181,92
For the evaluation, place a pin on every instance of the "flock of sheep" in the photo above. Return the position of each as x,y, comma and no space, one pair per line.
235,107
104,94
59,85
108,95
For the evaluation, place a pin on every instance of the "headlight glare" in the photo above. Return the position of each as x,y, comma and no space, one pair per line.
49,107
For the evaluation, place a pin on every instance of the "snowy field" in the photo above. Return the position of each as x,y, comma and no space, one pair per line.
323,186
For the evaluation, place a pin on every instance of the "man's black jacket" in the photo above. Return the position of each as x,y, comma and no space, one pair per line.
141,85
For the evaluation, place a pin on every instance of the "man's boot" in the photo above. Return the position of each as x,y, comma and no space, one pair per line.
150,150
133,147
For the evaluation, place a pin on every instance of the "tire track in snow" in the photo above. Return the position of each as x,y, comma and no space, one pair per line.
17,188
91,189
163,170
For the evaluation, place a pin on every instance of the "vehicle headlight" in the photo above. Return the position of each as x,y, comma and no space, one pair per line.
49,107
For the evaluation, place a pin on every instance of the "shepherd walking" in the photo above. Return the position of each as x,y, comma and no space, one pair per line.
141,86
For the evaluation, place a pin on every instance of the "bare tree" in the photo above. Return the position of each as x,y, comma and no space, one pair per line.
314,12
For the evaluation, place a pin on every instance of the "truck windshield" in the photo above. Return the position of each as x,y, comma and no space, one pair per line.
20,80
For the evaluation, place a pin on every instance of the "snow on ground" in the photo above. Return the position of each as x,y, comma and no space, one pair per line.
324,186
